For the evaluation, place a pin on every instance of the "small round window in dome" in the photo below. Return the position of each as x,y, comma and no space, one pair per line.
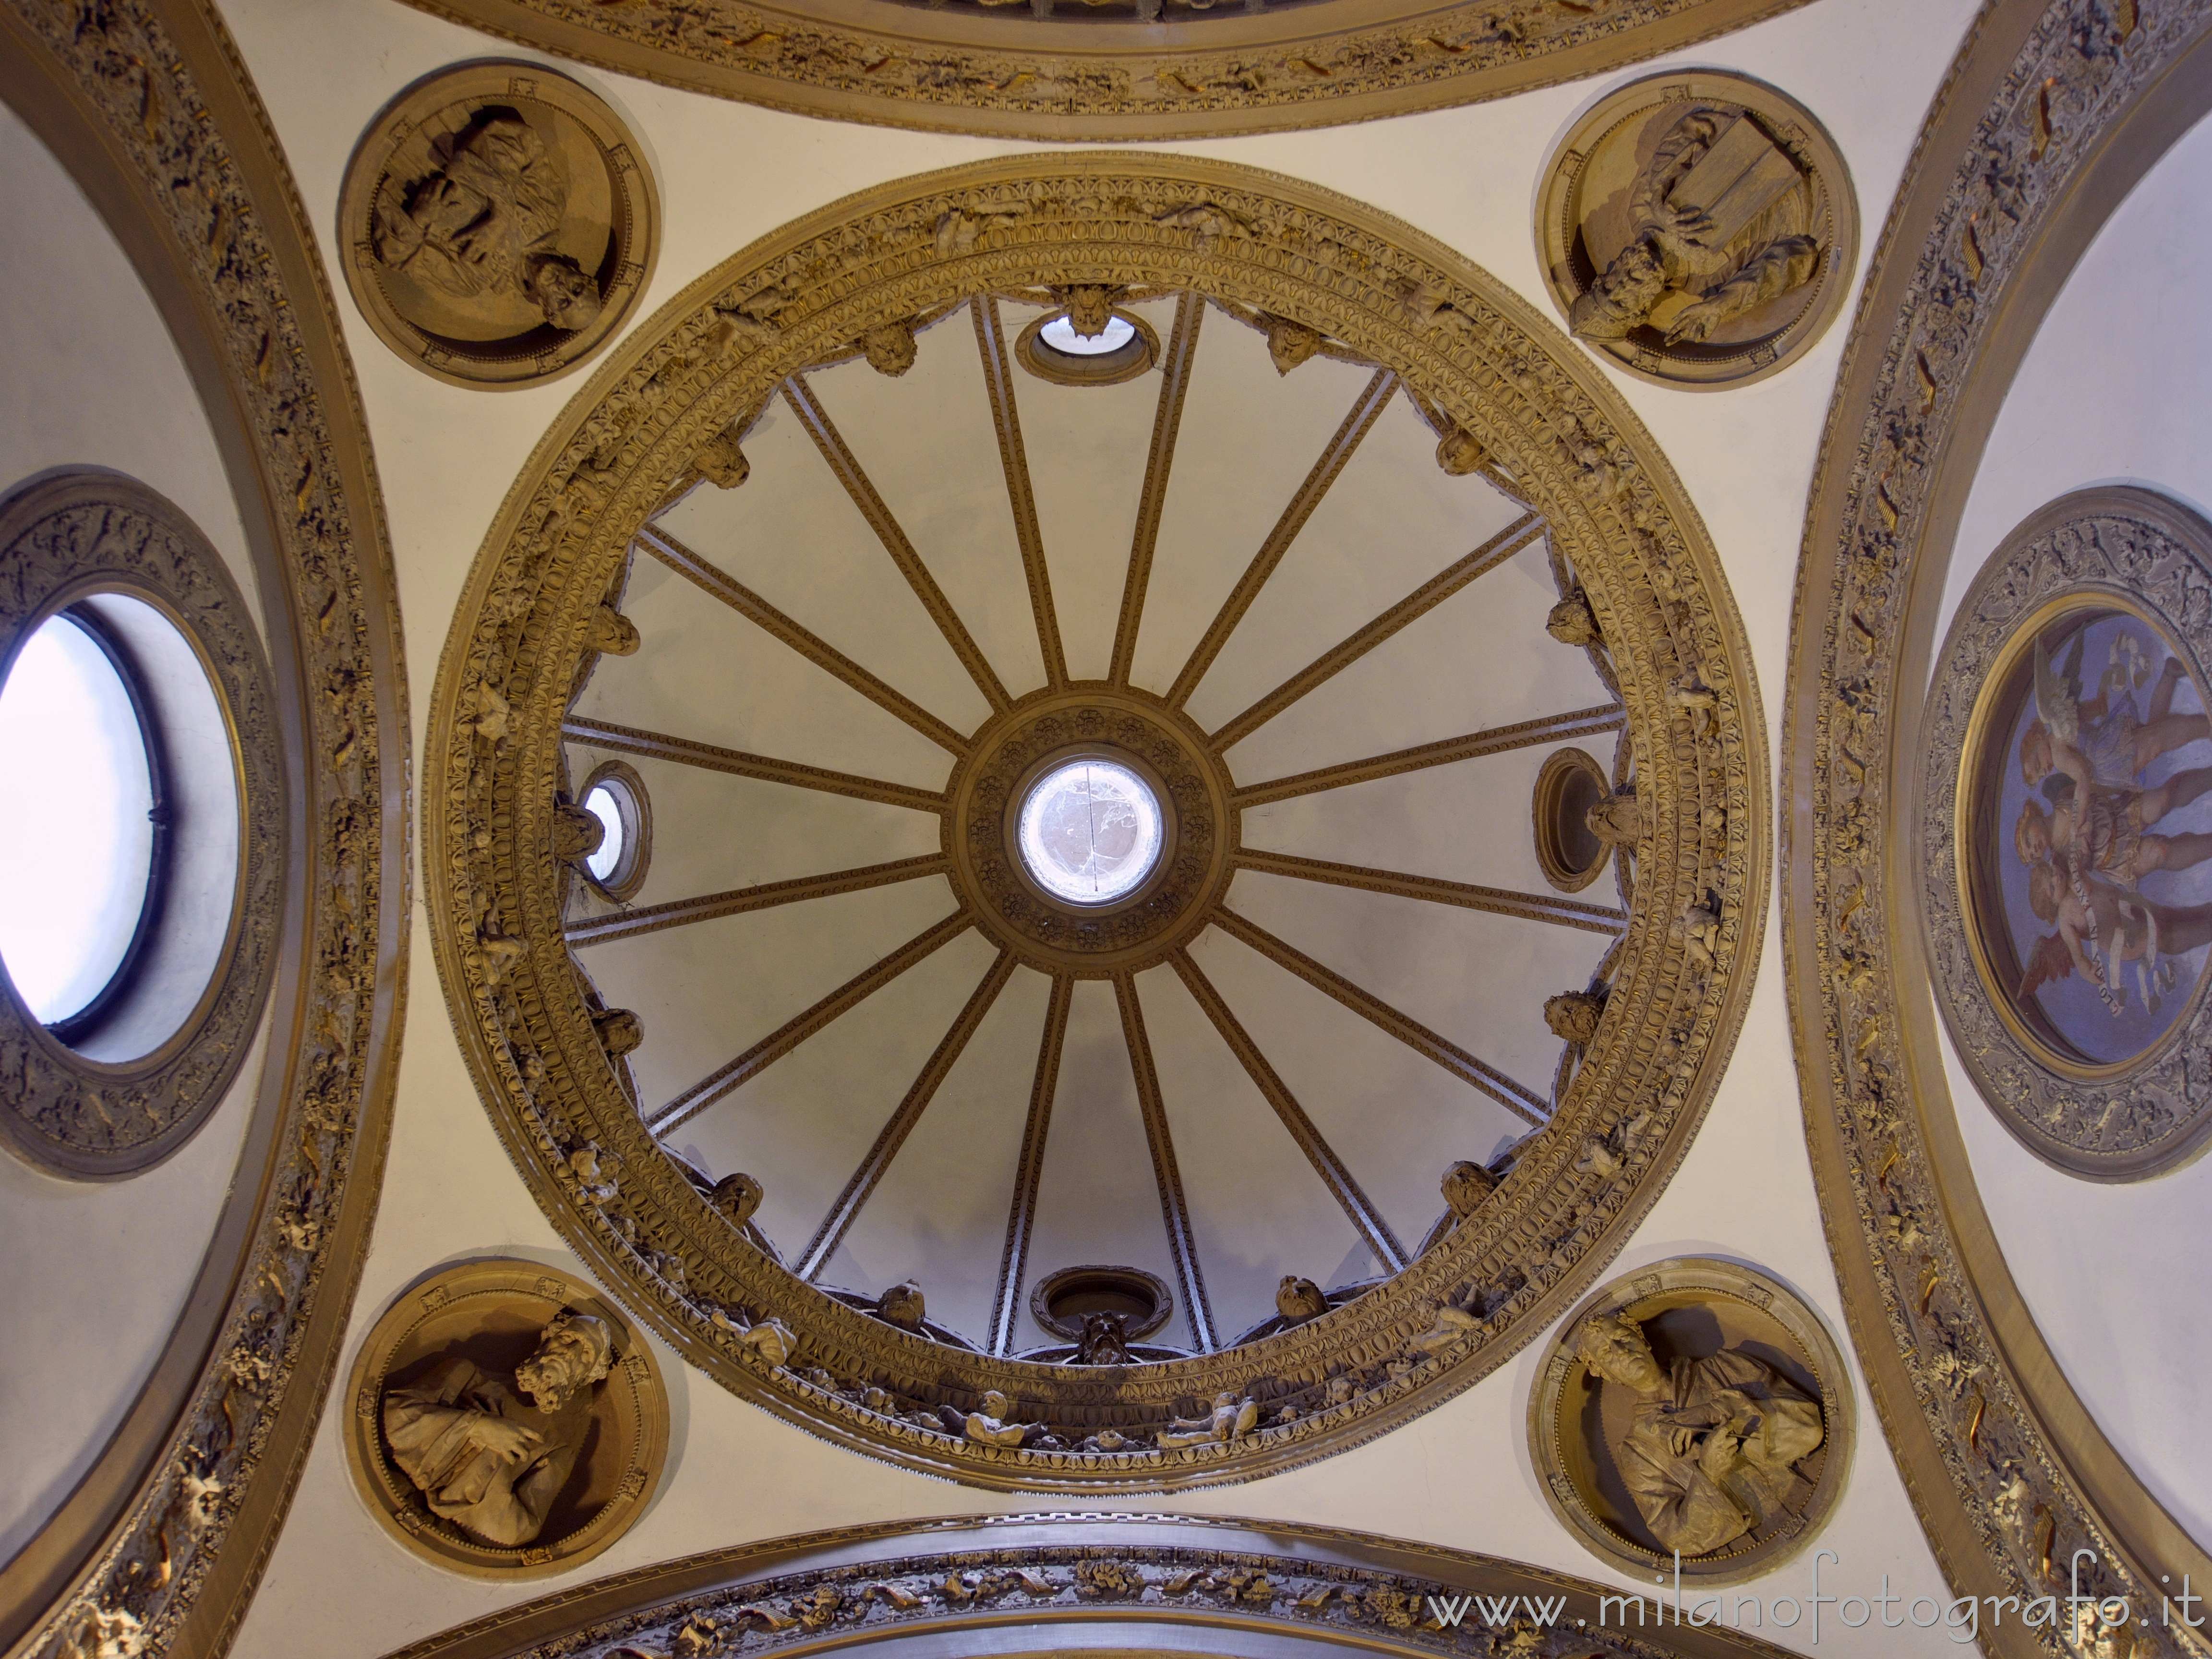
1090,831
1052,349
1571,854
602,805
1061,336
85,777
614,795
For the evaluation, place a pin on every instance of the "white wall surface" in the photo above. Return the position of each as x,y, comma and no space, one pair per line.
2117,389
730,172
95,1274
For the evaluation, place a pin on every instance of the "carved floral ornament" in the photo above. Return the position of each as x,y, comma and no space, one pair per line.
2051,114
158,1549
1063,70
1504,380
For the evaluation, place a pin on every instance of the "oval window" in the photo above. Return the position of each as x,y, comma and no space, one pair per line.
84,772
1060,334
614,795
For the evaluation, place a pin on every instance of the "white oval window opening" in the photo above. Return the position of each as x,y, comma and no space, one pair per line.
1060,334
1089,831
601,804
79,837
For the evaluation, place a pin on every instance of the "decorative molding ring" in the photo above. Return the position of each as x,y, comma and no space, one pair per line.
2049,116
1129,1584
2145,563
586,257
1780,228
66,537
973,67
148,107
1760,1327
461,1333
1511,385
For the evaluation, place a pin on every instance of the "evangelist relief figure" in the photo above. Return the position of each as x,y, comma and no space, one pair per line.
1719,226
1712,1445
490,1453
484,222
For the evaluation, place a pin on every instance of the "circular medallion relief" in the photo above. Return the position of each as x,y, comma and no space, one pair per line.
1697,1406
498,222
508,1422
1699,228
2071,784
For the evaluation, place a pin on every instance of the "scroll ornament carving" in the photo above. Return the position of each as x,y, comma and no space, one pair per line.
1476,353
788,55
2082,64
123,60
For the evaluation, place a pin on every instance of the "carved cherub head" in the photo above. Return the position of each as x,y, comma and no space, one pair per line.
891,349
620,1031
576,834
1088,308
612,633
903,1305
1460,454
736,1196
1573,1016
995,1405
1299,1299
1616,820
574,1351
1571,621
1466,1185
557,284
721,462
1289,343
1614,1346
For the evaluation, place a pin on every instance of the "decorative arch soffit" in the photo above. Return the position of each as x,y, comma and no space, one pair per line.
2049,116
1458,340
147,104
1021,71
1120,1585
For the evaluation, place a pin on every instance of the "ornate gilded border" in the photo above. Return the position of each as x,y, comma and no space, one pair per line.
1475,351
68,536
1705,1278
962,69
503,1284
2049,115
1150,1576
2120,545
148,106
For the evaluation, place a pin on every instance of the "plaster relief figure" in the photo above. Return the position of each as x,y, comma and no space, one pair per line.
1616,820
721,462
1229,1419
1693,227
1466,1185
612,633
890,350
487,1458
1104,1341
989,1426
903,1305
1711,1445
1573,1016
484,222
1718,217
1289,343
1571,621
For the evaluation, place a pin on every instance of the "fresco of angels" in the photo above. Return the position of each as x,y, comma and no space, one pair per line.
2103,834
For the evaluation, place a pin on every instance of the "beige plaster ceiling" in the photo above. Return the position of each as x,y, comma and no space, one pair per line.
731,172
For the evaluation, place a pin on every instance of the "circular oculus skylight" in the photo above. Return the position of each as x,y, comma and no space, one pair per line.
1060,334
71,745
1090,831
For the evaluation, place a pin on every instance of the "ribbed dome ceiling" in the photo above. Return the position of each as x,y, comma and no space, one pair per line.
1387,1115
